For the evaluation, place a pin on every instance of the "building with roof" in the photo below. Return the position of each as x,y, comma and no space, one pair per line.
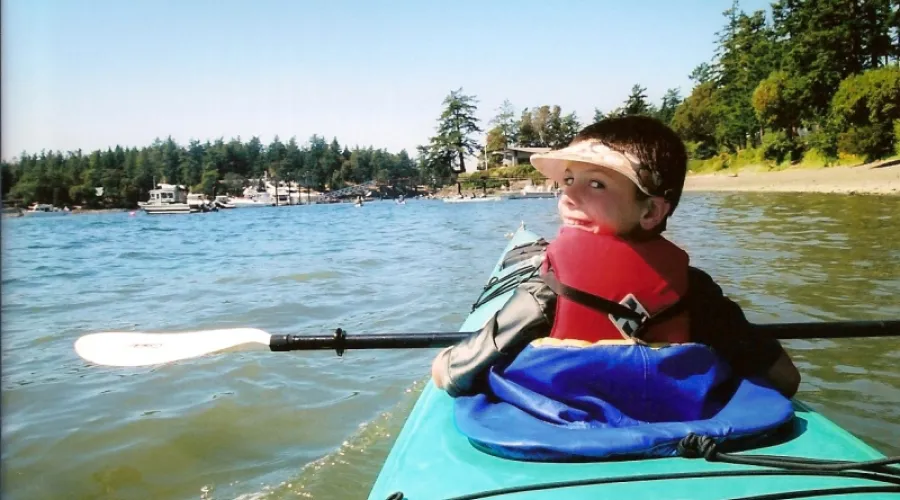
514,155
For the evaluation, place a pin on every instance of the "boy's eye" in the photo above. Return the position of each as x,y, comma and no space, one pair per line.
597,185
568,180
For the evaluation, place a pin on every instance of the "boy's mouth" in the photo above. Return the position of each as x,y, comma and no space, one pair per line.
580,224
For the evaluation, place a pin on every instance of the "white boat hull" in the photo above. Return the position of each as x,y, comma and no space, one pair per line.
248,203
44,210
169,209
530,196
38,213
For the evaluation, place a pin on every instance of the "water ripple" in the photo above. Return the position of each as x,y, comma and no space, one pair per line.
251,423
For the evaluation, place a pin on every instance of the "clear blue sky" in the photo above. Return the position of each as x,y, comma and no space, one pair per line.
96,73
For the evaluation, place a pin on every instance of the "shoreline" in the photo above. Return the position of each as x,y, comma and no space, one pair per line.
13,214
102,210
877,178
880,178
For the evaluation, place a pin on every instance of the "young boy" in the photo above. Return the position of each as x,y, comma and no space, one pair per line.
621,179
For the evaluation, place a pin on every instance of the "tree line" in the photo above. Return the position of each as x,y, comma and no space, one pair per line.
128,174
817,77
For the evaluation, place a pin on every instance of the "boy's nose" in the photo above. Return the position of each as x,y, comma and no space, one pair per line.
567,201
571,195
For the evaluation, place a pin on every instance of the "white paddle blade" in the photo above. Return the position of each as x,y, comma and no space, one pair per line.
143,349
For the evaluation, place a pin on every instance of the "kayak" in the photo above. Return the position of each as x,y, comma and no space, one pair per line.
431,458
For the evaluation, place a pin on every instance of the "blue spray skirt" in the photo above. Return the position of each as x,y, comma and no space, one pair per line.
563,401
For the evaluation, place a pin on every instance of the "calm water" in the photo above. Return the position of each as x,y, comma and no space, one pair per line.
256,424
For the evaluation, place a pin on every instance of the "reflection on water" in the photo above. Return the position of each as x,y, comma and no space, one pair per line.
258,424
815,257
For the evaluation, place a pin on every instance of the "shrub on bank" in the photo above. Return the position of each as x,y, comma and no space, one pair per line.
897,137
778,147
714,164
865,108
869,141
497,177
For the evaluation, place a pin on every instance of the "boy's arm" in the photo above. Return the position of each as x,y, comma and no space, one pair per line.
784,376
720,323
527,315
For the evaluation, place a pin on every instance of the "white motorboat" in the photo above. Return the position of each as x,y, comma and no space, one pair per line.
43,209
223,201
531,193
199,202
243,202
167,199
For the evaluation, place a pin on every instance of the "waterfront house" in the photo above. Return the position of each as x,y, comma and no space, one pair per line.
514,155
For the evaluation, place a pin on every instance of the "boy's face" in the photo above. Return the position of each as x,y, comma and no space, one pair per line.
600,200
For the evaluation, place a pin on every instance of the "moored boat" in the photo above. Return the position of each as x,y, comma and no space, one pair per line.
532,192
43,209
256,201
167,199
223,201
199,203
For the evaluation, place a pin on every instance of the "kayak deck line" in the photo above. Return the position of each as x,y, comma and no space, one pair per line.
810,456
694,475
694,446
700,446
506,284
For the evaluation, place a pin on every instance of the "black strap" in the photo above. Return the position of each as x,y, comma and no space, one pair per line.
616,309
669,312
590,300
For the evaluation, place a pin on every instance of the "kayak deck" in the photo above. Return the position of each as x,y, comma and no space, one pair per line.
431,459
428,461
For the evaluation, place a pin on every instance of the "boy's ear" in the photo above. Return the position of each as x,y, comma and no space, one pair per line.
656,209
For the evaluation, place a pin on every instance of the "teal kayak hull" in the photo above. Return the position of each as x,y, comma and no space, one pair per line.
431,459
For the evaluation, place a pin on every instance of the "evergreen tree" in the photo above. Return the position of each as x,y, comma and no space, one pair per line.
456,125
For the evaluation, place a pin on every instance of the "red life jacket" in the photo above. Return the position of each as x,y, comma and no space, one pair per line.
596,274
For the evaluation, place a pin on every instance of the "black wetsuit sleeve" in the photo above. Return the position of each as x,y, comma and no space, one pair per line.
720,323
527,315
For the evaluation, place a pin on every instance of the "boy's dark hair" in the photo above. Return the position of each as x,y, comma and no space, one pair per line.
657,147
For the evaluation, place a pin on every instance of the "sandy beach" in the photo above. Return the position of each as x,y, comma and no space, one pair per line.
877,178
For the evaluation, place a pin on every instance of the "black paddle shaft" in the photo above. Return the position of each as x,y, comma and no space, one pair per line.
830,330
340,341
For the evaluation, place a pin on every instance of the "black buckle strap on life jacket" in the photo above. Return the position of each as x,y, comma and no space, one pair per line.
524,252
616,309
590,300
668,313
